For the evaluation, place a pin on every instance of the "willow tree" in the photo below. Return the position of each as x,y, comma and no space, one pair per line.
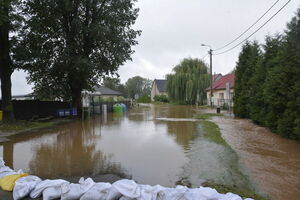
187,83
70,45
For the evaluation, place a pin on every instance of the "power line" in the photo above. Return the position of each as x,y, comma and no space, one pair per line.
256,29
203,57
247,28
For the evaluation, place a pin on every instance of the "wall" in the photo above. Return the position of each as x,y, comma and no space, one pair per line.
216,96
27,109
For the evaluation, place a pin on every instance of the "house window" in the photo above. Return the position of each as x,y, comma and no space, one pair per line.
231,95
221,95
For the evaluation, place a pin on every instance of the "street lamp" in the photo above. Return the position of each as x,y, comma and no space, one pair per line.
211,76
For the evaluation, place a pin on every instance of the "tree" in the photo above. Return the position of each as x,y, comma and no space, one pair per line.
249,59
189,81
69,45
269,111
267,86
138,86
115,84
283,84
9,23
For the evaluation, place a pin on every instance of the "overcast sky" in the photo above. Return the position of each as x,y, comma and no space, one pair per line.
175,29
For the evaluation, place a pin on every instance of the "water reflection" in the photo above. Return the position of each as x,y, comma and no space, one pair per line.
133,144
74,152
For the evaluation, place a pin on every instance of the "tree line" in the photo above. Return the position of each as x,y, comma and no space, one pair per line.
134,87
267,85
65,46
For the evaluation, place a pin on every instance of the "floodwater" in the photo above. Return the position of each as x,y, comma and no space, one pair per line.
152,144
273,161
160,144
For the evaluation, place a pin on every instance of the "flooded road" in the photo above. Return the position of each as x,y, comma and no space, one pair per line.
157,144
274,162
160,144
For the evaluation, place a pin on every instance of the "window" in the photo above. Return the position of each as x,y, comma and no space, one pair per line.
221,95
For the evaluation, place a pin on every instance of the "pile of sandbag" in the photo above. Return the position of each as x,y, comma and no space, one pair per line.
24,185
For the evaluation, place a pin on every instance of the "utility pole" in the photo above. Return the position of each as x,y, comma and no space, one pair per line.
211,78
210,52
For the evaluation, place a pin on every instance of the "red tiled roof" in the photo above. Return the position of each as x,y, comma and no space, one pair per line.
216,77
221,83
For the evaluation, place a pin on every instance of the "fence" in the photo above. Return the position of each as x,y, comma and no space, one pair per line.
28,109
96,107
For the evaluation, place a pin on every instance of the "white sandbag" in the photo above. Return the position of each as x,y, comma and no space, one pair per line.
5,169
98,192
113,194
2,163
53,192
24,185
3,174
203,193
150,192
125,198
9,171
127,188
231,196
172,193
41,186
75,191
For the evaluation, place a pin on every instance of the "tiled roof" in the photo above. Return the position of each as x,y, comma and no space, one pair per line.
106,91
216,77
161,84
221,83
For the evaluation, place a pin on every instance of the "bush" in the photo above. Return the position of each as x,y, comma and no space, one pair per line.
161,98
144,99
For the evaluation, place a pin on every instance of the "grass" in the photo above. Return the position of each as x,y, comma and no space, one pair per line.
234,189
206,116
22,125
212,133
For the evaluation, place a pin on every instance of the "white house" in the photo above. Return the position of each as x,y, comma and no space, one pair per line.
222,91
158,88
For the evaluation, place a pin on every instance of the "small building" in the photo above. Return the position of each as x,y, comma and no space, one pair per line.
29,96
99,92
158,88
222,90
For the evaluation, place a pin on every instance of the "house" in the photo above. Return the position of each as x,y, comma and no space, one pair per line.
158,88
222,90
29,96
99,91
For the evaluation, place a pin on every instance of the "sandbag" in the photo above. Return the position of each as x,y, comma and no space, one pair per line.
75,191
98,192
172,193
53,192
127,188
24,186
203,193
231,196
43,185
5,169
150,192
3,174
7,183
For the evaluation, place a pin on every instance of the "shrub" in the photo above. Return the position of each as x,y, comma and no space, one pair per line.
161,98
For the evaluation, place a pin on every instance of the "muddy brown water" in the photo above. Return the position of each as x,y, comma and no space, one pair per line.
159,144
273,161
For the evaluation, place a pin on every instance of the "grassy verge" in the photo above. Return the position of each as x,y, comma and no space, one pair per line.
22,125
234,189
205,116
212,133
